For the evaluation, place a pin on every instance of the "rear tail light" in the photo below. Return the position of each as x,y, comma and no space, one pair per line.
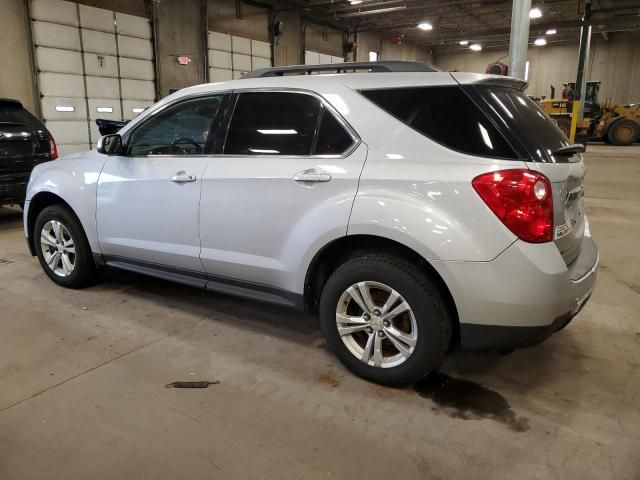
53,149
521,199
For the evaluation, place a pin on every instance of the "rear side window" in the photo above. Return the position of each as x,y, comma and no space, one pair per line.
333,138
273,123
446,115
524,118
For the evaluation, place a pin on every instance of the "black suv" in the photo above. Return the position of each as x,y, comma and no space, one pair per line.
24,143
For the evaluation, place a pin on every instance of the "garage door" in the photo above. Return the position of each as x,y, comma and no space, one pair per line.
315,58
92,63
231,56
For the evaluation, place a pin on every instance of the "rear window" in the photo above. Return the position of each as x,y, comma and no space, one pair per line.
524,118
13,114
446,115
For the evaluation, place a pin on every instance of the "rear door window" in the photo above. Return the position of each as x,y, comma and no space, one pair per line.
273,123
446,115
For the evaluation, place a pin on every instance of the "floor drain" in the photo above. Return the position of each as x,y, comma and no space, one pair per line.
4,261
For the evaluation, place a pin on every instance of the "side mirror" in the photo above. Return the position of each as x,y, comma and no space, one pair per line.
110,145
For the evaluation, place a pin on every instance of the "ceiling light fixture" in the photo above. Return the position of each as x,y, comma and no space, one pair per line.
355,2
551,31
426,26
464,42
540,42
476,47
535,13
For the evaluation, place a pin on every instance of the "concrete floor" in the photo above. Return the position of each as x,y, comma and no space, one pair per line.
82,377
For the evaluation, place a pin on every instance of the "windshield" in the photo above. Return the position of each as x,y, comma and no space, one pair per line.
524,119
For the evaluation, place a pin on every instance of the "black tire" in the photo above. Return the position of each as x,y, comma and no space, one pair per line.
623,132
432,317
84,270
605,139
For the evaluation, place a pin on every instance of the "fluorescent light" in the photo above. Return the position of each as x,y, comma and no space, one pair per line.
540,42
260,150
535,13
137,110
105,109
288,131
65,108
464,42
355,2
476,47
551,31
426,26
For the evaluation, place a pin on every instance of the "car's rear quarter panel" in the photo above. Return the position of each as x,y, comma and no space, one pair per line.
419,193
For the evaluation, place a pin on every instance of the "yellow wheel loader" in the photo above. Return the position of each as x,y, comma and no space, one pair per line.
614,124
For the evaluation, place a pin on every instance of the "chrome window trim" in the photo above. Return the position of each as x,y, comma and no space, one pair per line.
356,140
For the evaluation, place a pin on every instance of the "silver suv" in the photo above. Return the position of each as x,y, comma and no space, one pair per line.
415,210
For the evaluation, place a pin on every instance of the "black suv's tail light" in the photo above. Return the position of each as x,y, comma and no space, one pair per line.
53,149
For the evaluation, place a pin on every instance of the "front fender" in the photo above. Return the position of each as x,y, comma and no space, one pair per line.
74,179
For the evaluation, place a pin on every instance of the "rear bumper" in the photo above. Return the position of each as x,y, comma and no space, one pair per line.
521,297
13,188
492,337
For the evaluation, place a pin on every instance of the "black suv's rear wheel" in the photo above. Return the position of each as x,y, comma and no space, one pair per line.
385,319
62,248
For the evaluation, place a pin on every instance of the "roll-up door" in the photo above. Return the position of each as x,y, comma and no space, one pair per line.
92,63
231,56
315,58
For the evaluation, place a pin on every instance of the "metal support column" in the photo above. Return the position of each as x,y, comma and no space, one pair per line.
519,41
583,59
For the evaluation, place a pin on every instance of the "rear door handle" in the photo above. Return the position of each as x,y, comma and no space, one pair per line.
311,176
183,177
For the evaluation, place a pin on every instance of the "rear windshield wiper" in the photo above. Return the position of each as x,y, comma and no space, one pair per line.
570,149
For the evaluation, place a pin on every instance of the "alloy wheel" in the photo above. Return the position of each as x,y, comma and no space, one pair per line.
376,324
58,248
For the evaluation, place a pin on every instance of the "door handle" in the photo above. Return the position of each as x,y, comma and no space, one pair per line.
311,176
183,177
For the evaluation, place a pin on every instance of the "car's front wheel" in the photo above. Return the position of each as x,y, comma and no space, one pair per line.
62,248
385,319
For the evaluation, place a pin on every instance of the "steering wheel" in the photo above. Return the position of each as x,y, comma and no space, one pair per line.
179,140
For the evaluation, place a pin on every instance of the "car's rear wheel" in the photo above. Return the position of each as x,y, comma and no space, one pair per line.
385,319
62,248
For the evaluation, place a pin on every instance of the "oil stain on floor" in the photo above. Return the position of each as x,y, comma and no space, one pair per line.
469,400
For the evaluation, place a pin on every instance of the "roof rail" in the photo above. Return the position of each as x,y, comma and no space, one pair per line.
390,66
